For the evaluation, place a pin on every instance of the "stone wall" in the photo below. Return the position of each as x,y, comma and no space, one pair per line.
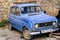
5,8
50,6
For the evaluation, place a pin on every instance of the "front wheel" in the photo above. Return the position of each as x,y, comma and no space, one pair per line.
26,34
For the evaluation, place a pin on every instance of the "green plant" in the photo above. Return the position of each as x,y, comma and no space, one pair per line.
3,23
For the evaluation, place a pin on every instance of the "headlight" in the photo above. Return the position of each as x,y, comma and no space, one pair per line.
54,23
36,25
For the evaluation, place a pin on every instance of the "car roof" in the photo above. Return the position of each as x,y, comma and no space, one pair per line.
24,5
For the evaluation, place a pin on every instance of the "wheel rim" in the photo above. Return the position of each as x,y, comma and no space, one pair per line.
10,27
26,34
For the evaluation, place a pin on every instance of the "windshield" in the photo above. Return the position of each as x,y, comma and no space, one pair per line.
30,9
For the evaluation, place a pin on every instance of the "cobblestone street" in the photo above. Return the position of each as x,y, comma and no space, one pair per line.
6,34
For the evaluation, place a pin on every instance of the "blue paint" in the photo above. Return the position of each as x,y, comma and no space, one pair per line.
29,20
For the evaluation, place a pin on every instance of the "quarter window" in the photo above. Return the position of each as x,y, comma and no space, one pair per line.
17,11
13,10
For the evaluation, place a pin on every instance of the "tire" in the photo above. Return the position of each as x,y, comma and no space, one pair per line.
26,34
10,27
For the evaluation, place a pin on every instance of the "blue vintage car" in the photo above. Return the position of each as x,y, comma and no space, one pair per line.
31,20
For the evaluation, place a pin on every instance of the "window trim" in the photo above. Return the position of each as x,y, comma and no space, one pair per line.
11,10
15,10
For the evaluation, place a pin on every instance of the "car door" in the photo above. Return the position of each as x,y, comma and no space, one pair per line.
18,22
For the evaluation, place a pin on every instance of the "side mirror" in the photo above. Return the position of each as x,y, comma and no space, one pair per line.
44,11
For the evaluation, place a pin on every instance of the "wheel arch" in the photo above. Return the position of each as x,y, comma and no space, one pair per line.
26,28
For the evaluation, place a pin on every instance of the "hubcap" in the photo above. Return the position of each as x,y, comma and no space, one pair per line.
26,34
10,27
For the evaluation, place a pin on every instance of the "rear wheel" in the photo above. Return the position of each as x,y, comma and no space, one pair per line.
26,34
10,27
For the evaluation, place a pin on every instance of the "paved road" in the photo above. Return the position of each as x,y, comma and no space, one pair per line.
6,34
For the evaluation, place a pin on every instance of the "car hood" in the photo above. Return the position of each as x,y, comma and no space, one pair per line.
41,18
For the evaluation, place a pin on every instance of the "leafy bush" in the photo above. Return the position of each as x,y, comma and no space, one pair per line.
3,23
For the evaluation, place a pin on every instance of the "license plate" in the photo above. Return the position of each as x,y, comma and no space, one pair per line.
49,30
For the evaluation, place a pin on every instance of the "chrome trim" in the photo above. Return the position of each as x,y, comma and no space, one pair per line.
34,33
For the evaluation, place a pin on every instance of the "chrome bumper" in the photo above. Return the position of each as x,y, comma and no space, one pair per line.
34,33
44,31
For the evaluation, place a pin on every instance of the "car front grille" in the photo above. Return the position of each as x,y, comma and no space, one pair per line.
45,24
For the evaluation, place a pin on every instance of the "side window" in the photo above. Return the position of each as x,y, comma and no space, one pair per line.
12,10
17,12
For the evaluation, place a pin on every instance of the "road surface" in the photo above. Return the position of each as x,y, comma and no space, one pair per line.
6,34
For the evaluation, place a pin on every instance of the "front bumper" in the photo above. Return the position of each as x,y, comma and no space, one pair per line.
44,31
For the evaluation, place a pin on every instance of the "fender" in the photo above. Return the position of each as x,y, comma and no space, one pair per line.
27,23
